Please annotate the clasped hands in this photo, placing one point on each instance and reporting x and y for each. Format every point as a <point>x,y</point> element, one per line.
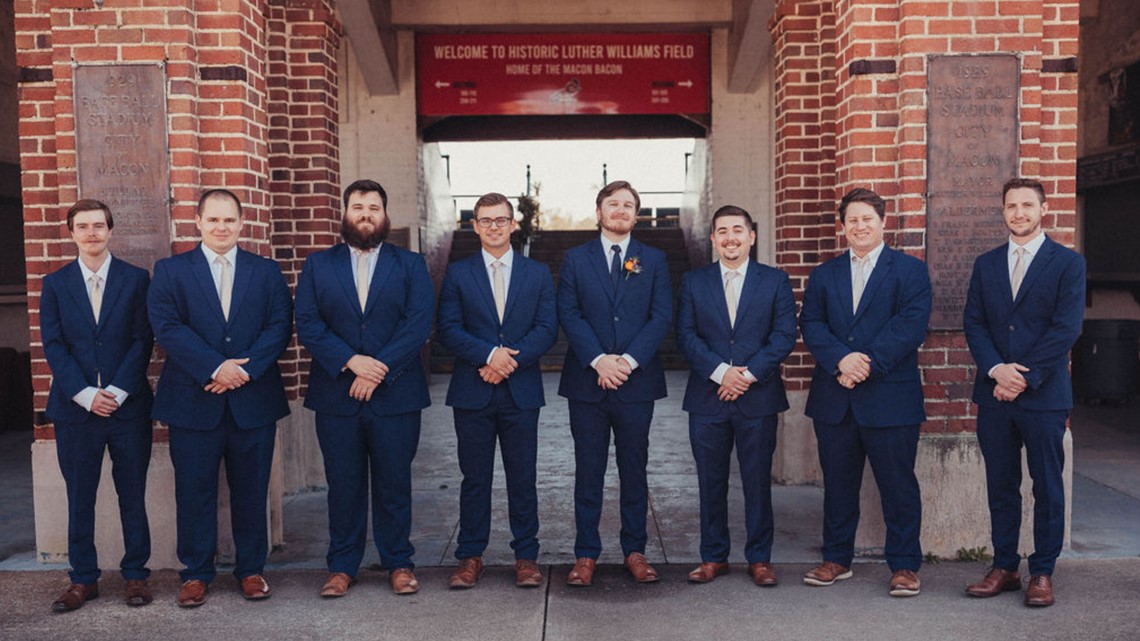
<point>501,365</point>
<point>854,369</point>
<point>229,376</point>
<point>369,374</point>
<point>613,371</point>
<point>104,404</point>
<point>734,384</point>
<point>1010,382</point>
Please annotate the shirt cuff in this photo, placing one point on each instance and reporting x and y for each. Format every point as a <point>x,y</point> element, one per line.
<point>749,377</point>
<point>631,360</point>
<point>86,397</point>
<point>991,372</point>
<point>718,374</point>
<point>215,374</point>
<point>492,354</point>
<point>594,363</point>
<point>120,395</point>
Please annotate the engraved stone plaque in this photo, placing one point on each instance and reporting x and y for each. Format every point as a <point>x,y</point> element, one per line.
<point>972,134</point>
<point>121,145</point>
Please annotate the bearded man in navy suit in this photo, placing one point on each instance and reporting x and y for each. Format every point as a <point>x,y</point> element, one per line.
<point>735,325</point>
<point>1023,314</point>
<point>497,314</point>
<point>863,318</point>
<point>364,311</point>
<point>98,343</point>
<point>224,316</point>
<point>615,304</point>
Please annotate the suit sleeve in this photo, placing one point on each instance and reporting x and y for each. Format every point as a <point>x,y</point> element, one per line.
<point>327,349</point>
<point>131,373</point>
<point>452,331</point>
<point>414,327</point>
<point>278,326</point>
<point>782,337</point>
<point>702,359</point>
<point>982,346</point>
<point>906,330</point>
<point>826,348</point>
<point>645,345</point>
<point>1068,313</point>
<point>581,336</point>
<point>65,370</point>
<point>182,344</point>
<point>544,330</point>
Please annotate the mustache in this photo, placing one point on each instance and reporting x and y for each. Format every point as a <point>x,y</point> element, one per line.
<point>359,239</point>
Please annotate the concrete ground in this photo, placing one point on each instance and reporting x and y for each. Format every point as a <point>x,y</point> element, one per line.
<point>1098,586</point>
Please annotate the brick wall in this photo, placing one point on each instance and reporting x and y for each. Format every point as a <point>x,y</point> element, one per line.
<point>231,65</point>
<point>879,138</point>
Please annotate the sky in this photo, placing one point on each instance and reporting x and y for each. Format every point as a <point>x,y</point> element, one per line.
<point>569,172</point>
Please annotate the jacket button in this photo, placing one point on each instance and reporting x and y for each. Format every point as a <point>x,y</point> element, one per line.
<point>229,340</point>
<point>1011,328</point>
<point>850,338</point>
<point>616,319</point>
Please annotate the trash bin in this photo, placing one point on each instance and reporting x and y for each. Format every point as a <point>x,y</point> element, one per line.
<point>1106,360</point>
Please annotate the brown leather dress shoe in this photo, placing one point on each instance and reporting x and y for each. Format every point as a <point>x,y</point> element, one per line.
<point>404,581</point>
<point>706,572</point>
<point>75,596</point>
<point>762,574</point>
<point>527,574</point>
<point>639,567</point>
<point>467,574</point>
<point>1039,593</point>
<point>192,594</point>
<point>826,574</point>
<point>138,593</point>
<point>905,583</point>
<point>583,573</point>
<point>994,583</point>
<point>337,585</point>
<point>255,588</point>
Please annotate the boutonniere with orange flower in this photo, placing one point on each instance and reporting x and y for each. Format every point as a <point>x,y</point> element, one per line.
<point>632,266</point>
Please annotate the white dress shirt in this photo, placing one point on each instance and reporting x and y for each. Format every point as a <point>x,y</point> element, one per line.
<point>371,256</point>
<point>507,261</point>
<point>216,273</point>
<point>86,396</point>
<point>738,286</point>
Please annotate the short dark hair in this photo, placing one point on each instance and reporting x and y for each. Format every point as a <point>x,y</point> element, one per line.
<point>1018,183</point>
<point>89,204</point>
<point>615,186</point>
<point>731,210</point>
<point>219,194</point>
<point>861,195</point>
<point>491,200</point>
<point>364,187</point>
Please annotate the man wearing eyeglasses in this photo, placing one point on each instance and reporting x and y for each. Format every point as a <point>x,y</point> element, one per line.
<point>497,314</point>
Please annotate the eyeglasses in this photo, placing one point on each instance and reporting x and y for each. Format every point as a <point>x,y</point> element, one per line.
<point>497,222</point>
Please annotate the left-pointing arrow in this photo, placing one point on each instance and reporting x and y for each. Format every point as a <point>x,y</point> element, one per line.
<point>439,84</point>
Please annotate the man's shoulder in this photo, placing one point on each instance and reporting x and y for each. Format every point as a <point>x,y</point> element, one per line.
<point>646,252</point>
<point>904,260</point>
<point>1062,250</point>
<point>62,272</point>
<point>257,259</point>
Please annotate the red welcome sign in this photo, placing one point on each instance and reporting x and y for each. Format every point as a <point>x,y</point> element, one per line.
<point>561,73</point>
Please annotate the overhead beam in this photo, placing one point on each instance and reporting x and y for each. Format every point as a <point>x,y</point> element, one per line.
<point>749,44</point>
<point>368,24</point>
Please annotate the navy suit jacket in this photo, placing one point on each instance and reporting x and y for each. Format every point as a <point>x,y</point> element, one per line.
<point>393,327</point>
<point>763,336</point>
<point>889,327</point>
<point>468,325</point>
<point>81,353</point>
<point>633,321</point>
<point>1037,329</point>
<point>187,318</point>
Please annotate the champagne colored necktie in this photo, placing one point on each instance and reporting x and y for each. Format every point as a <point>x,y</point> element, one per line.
<point>225,286</point>
<point>730,295</point>
<point>362,279</point>
<point>96,295</point>
<point>1018,270</point>
<point>500,288</point>
<point>859,265</point>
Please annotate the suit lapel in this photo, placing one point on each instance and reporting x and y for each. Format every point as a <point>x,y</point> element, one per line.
<point>633,251</point>
<point>714,285</point>
<point>243,276</point>
<point>342,272</point>
<point>750,291</point>
<point>477,269</point>
<point>111,290</point>
<point>843,287</point>
<point>1040,262</point>
<point>514,290</point>
<point>77,288</point>
<point>882,271</point>
<point>384,263</point>
<point>601,266</point>
<point>201,270</point>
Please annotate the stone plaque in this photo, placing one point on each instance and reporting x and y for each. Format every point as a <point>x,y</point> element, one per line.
<point>972,149</point>
<point>121,144</point>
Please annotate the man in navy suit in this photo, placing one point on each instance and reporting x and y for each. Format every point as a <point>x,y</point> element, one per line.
<point>364,311</point>
<point>497,314</point>
<point>735,325</point>
<point>224,317</point>
<point>863,318</point>
<point>1023,313</point>
<point>615,304</point>
<point>98,343</point>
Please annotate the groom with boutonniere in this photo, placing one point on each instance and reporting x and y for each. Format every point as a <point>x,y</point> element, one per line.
<point>615,304</point>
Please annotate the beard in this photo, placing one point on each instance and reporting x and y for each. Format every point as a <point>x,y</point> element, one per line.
<point>362,240</point>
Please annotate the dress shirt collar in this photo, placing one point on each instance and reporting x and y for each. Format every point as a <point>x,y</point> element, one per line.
<point>742,270</point>
<point>608,244</point>
<point>872,257</point>
<point>212,255</point>
<point>508,258</point>
<point>102,272</point>
<point>1032,246</point>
